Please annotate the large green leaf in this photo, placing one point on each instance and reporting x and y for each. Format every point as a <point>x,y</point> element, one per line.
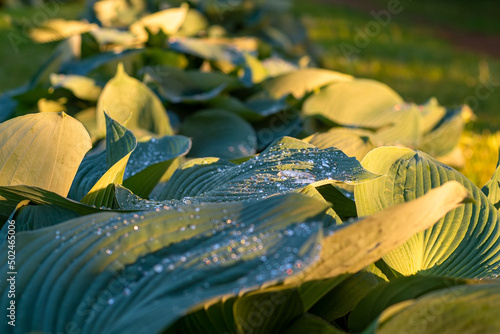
<point>153,265</point>
<point>32,217</point>
<point>150,160</point>
<point>45,208</point>
<point>210,49</point>
<point>302,81</point>
<point>389,293</point>
<point>268,311</point>
<point>213,317</point>
<point>459,309</point>
<point>444,136</point>
<point>219,133</point>
<point>11,195</point>
<point>177,85</point>
<point>168,21</point>
<point>353,142</point>
<point>348,249</point>
<point>360,102</point>
<point>82,87</point>
<point>94,182</point>
<point>309,323</point>
<point>288,165</point>
<point>354,246</point>
<point>342,299</point>
<point>42,150</point>
<point>132,104</point>
<point>465,243</point>
<point>256,108</point>
<point>492,187</point>
<point>284,123</point>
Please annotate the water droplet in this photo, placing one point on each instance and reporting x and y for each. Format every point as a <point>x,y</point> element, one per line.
<point>158,268</point>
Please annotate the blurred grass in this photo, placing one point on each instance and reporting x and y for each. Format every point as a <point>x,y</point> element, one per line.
<point>19,56</point>
<point>406,56</point>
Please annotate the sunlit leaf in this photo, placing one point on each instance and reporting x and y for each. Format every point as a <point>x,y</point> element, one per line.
<point>465,243</point>
<point>132,104</point>
<point>42,150</point>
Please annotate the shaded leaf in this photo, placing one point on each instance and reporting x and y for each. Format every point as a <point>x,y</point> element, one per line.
<point>97,174</point>
<point>461,309</point>
<point>150,160</point>
<point>219,133</point>
<point>389,293</point>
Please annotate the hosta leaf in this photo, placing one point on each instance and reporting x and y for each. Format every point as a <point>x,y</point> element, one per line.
<point>492,187</point>
<point>253,72</point>
<point>177,85</point>
<point>212,317</point>
<point>284,123</point>
<point>312,191</point>
<point>353,142</point>
<point>258,311</point>
<point>168,21</point>
<point>32,217</point>
<point>210,49</point>
<point>98,173</point>
<point>118,13</point>
<point>102,61</point>
<point>359,102</point>
<point>132,104</point>
<point>219,133</point>
<point>460,309</point>
<point>389,293</point>
<point>343,205</point>
<point>432,114</point>
<point>268,311</point>
<point>288,165</point>
<point>308,323</point>
<point>354,246</point>
<point>444,137</point>
<point>42,150</point>
<point>348,249</point>
<point>342,299</point>
<point>265,105</point>
<point>11,195</point>
<point>465,243</point>
<point>302,81</point>
<point>58,29</point>
<point>236,106</point>
<point>155,265</point>
<point>194,22</point>
<point>82,87</point>
<point>150,160</point>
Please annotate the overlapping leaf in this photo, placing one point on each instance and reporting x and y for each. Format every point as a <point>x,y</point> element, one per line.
<point>465,243</point>
<point>187,250</point>
<point>289,164</point>
<point>42,150</point>
<point>132,104</point>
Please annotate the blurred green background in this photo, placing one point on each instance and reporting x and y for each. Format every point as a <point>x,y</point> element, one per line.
<point>447,49</point>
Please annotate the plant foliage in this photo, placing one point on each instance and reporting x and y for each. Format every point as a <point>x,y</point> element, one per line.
<point>189,168</point>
